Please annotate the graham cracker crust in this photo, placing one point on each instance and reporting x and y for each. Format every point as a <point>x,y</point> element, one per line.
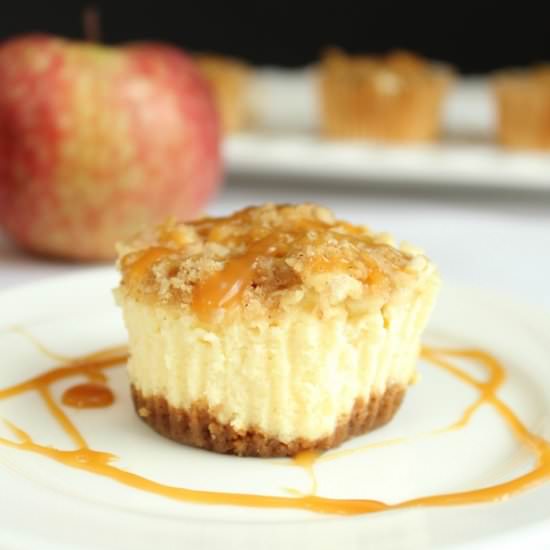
<point>198,428</point>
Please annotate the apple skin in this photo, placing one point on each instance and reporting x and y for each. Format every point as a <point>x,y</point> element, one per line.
<point>96,142</point>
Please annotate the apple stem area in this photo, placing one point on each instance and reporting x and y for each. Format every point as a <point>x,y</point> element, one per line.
<point>91,23</point>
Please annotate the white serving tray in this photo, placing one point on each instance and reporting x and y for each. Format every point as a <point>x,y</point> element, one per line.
<point>286,142</point>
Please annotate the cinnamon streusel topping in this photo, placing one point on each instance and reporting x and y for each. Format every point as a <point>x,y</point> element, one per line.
<point>259,257</point>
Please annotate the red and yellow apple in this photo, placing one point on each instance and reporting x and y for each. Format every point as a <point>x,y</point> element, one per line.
<point>96,142</point>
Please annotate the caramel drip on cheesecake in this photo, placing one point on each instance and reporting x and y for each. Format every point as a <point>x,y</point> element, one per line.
<point>140,267</point>
<point>213,262</point>
<point>97,462</point>
<point>224,289</point>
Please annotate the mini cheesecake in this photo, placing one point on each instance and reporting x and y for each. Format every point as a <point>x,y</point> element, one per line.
<point>397,97</point>
<point>275,330</point>
<point>230,81</point>
<point>522,99</point>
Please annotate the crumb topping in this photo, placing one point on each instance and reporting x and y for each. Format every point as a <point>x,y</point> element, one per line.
<point>262,256</point>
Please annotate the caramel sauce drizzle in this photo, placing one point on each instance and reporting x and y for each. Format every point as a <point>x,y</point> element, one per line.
<point>143,264</point>
<point>224,289</point>
<point>84,458</point>
<point>496,377</point>
<point>88,396</point>
<point>307,461</point>
<point>22,331</point>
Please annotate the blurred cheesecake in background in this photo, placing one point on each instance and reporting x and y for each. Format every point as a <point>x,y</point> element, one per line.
<point>523,107</point>
<point>230,80</point>
<point>396,97</point>
<point>272,331</point>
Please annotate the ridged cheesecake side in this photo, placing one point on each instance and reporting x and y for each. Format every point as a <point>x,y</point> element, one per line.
<point>325,361</point>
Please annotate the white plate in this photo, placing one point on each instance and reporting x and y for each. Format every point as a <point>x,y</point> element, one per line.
<point>286,142</point>
<point>45,505</point>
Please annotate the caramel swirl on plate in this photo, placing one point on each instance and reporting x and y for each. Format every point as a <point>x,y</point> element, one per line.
<point>101,463</point>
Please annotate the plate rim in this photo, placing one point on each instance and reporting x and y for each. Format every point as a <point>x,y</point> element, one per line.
<point>506,540</point>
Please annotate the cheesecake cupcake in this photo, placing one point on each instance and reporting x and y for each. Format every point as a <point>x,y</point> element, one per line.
<point>396,97</point>
<point>230,80</point>
<point>523,108</point>
<point>275,330</point>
